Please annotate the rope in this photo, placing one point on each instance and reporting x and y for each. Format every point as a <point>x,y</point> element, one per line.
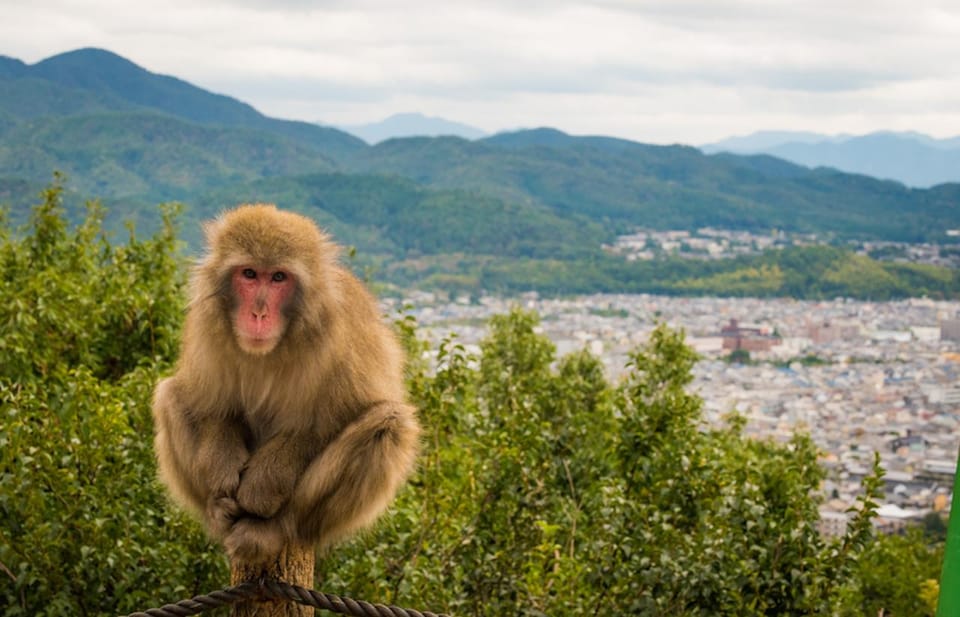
<point>278,590</point>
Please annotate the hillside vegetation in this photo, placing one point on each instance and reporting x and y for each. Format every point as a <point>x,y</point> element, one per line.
<point>542,487</point>
<point>516,211</point>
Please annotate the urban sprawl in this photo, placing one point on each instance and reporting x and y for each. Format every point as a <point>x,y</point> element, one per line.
<point>860,377</point>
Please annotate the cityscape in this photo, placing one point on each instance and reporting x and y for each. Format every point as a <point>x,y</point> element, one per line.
<point>859,377</point>
<point>708,243</point>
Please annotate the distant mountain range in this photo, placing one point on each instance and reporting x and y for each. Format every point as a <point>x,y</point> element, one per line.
<point>412,125</point>
<point>528,208</point>
<point>912,158</point>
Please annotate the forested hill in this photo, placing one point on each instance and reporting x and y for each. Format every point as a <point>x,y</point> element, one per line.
<point>95,80</point>
<point>134,138</point>
<point>622,184</point>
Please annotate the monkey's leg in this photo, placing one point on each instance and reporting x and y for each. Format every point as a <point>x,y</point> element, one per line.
<point>356,476</point>
<point>266,485</point>
<point>272,472</point>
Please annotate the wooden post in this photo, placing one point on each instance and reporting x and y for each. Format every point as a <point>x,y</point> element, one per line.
<point>295,565</point>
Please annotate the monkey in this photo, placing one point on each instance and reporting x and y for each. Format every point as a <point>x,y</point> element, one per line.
<point>285,421</point>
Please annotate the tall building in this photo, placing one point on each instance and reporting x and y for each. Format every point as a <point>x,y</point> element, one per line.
<point>737,337</point>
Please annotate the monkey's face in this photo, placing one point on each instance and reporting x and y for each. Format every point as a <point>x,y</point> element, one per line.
<point>261,307</point>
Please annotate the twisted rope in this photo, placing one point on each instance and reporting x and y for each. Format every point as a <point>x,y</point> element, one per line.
<point>278,590</point>
<point>194,606</point>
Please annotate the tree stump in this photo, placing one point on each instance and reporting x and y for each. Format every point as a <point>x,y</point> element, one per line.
<point>295,565</point>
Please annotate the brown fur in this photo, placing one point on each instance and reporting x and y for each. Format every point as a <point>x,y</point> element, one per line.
<point>302,445</point>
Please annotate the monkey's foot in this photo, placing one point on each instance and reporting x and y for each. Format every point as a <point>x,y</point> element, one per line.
<point>254,541</point>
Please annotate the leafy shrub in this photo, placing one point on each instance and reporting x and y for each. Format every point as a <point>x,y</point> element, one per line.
<point>545,490</point>
<point>85,529</point>
<point>72,299</point>
<point>542,489</point>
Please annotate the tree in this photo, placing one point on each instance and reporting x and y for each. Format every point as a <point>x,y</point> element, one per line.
<point>702,520</point>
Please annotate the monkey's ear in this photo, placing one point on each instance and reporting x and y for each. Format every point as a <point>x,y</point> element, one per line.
<point>211,229</point>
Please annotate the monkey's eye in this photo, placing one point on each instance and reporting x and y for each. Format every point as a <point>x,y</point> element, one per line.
<point>279,276</point>
<point>249,273</point>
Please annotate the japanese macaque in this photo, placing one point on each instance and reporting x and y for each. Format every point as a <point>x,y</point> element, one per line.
<point>285,423</point>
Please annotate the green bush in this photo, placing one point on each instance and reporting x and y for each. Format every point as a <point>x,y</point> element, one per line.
<point>899,574</point>
<point>542,488</point>
<point>545,490</point>
<point>85,529</point>
<point>72,299</point>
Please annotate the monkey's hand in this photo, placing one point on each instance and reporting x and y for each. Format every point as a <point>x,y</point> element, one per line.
<point>271,475</point>
<point>222,509</point>
<point>221,513</point>
<point>221,466</point>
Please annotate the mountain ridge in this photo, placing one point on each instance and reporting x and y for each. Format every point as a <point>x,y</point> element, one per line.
<point>912,158</point>
<point>411,124</point>
<point>123,85</point>
<point>528,207</point>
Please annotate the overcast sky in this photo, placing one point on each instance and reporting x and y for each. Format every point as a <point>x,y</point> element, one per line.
<point>658,71</point>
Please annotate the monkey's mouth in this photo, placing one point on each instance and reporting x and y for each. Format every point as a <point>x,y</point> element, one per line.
<point>257,345</point>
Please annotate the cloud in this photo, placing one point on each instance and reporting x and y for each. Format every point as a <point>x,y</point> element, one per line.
<point>678,70</point>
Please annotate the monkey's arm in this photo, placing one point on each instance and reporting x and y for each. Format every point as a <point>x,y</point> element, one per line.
<point>200,457</point>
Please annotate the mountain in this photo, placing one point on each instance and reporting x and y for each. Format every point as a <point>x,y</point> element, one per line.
<point>626,184</point>
<point>549,137</point>
<point>148,157</point>
<point>762,141</point>
<point>912,158</point>
<point>124,133</point>
<point>523,209</point>
<point>411,125</point>
<point>11,67</point>
<point>388,214</point>
<point>87,80</point>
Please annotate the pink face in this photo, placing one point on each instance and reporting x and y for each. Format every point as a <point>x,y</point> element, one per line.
<point>262,297</point>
